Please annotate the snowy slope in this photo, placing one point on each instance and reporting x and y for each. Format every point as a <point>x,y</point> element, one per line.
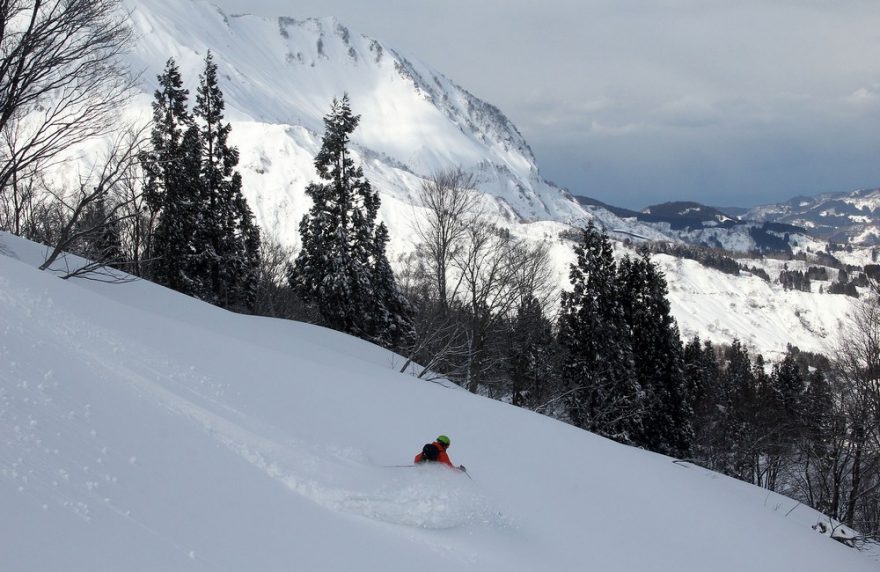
<point>279,75</point>
<point>143,430</point>
<point>842,217</point>
<point>719,307</point>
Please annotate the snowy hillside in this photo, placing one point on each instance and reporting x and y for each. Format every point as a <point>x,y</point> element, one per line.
<point>841,217</point>
<point>279,76</point>
<point>719,307</point>
<point>143,430</point>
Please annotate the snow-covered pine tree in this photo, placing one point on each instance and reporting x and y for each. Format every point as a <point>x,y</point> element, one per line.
<point>391,321</point>
<point>228,259</point>
<point>704,394</point>
<point>172,188</point>
<point>657,356</point>
<point>247,267</point>
<point>341,267</point>
<point>603,393</point>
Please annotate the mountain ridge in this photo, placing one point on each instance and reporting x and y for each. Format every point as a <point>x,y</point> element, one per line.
<point>848,218</point>
<point>279,75</point>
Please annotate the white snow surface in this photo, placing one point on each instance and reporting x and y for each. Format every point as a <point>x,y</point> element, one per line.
<point>143,430</point>
<point>279,75</point>
<point>765,317</point>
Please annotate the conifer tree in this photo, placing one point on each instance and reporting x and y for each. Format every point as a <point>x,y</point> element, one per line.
<point>391,320</point>
<point>227,262</point>
<point>172,186</point>
<point>657,355</point>
<point>206,243</point>
<point>532,355</point>
<point>604,395</point>
<point>818,407</point>
<point>247,267</point>
<point>342,267</point>
<point>788,385</point>
<point>737,429</point>
<point>707,398</point>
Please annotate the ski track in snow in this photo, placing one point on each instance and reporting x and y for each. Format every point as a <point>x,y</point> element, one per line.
<point>422,497</point>
<point>131,438</point>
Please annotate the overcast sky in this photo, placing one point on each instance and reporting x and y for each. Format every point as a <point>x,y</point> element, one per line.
<point>726,102</point>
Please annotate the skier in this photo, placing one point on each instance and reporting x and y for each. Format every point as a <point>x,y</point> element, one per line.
<point>436,453</point>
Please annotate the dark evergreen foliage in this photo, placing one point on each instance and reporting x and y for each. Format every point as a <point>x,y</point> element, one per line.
<point>391,318</point>
<point>794,280</point>
<point>845,288</point>
<point>172,186</point>
<point>708,400</point>
<point>767,237</point>
<point>342,267</point>
<point>817,273</point>
<point>737,429</point>
<point>206,243</point>
<point>759,272</point>
<point>788,386</point>
<point>598,371</point>
<point>532,364</point>
<point>708,257</point>
<point>657,358</point>
<point>860,280</point>
<point>229,249</point>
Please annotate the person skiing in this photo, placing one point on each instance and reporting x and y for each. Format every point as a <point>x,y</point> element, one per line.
<point>436,453</point>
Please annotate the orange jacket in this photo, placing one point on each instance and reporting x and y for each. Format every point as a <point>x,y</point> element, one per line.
<point>442,458</point>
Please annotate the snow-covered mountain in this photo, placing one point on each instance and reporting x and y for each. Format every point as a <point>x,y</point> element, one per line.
<point>144,430</point>
<point>279,75</point>
<point>844,218</point>
<point>698,224</point>
<point>688,210</point>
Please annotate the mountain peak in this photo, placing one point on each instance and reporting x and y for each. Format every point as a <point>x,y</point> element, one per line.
<point>284,71</point>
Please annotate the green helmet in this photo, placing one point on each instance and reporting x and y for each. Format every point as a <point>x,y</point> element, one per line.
<point>443,439</point>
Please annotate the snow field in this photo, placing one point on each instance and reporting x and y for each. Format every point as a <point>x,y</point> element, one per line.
<point>143,430</point>
<point>278,77</point>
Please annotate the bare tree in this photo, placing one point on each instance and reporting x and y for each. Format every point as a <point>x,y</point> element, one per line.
<point>141,219</point>
<point>467,281</point>
<point>450,205</point>
<point>273,295</point>
<point>437,343</point>
<point>858,377</point>
<point>62,81</point>
<point>101,193</point>
<point>497,273</point>
<point>20,204</point>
